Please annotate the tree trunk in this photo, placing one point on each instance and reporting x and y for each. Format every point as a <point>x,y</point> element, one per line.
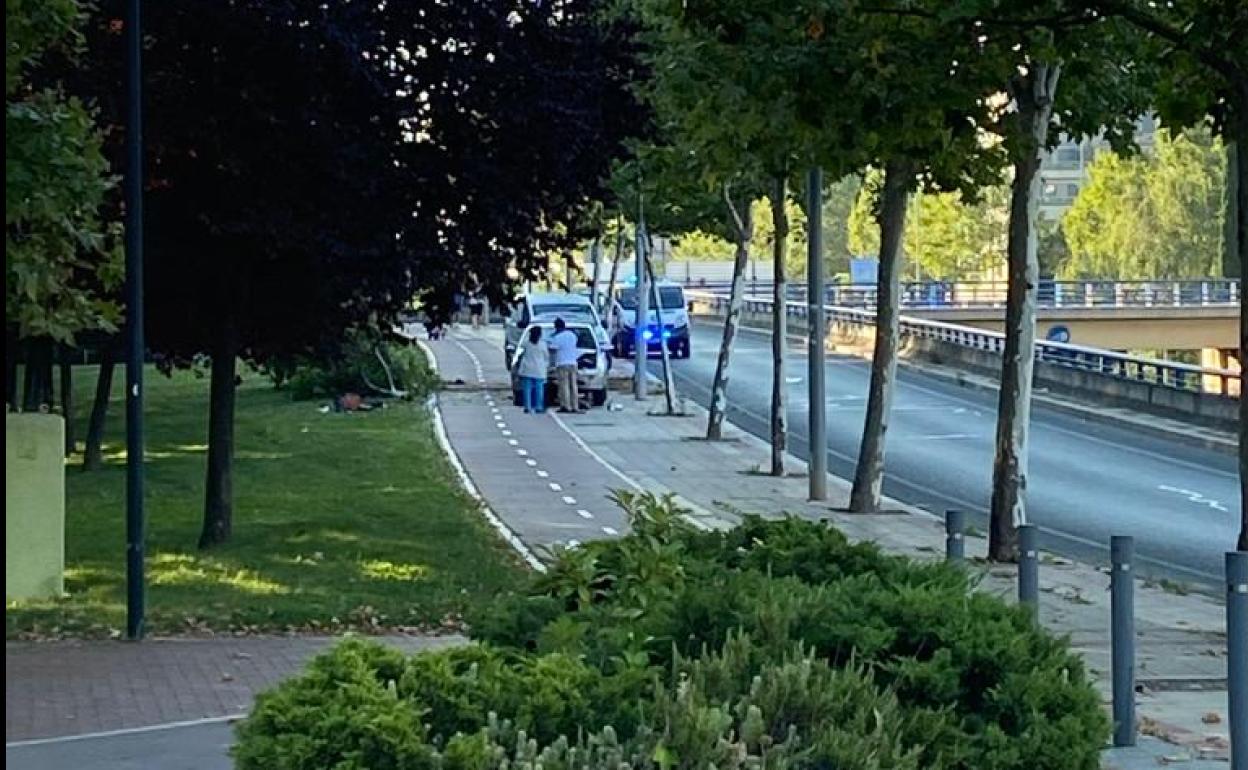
<point>37,388</point>
<point>1240,139</point>
<point>1231,267</point>
<point>780,329</point>
<point>67,400</point>
<point>1033,95</point>
<point>615,263</point>
<point>219,486</point>
<point>92,455</point>
<point>869,473</point>
<point>743,227</point>
<point>669,382</point>
<point>11,347</point>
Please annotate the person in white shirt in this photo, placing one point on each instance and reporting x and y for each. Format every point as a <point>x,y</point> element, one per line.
<point>566,350</point>
<point>532,365</point>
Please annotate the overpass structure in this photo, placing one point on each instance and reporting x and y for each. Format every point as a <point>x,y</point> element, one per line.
<point>1196,315</point>
<point>1206,393</point>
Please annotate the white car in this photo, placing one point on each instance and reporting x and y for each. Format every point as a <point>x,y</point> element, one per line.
<point>592,365</point>
<point>545,308</point>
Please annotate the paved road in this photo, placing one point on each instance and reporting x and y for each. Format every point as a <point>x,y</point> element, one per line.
<point>191,747</point>
<point>1088,480</point>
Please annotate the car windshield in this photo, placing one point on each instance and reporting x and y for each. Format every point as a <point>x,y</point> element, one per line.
<point>672,297</point>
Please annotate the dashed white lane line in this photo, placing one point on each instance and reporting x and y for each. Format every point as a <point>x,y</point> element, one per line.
<point>610,531</point>
<point>506,433</point>
<point>555,487</point>
<point>522,452</point>
<point>541,474</point>
<point>532,464</point>
<point>574,543</point>
<point>569,500</point>
<point>584,514</point>
<point>513,442</point>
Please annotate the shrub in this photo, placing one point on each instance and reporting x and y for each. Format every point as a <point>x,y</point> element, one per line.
<point>778,643</point>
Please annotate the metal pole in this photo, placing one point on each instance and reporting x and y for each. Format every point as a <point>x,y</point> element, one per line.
<point>642,322</point>
<point>816,323</point>
<point>1237,655</point>
<point>1122,637</point>
<point>134,320</point>
<point>1028,569</point>
<point>955,542</point>
<point>669,382</point>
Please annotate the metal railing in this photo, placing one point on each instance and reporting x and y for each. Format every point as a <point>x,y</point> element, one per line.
<point>1108,363</point>
<point>940,295</point>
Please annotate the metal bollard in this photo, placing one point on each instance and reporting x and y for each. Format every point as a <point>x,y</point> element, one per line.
<point>1122,637</point>
<point>955,543</point>
<point>1029,569</point>
<point>1237,655</point>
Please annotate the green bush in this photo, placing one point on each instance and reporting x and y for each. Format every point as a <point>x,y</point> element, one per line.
<point>1018,698</point>
<point>776,644</point>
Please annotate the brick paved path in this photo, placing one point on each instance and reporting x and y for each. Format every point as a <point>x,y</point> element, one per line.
<point>57,689</point>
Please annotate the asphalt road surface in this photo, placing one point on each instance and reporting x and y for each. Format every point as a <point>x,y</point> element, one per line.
<point>1088,480</point>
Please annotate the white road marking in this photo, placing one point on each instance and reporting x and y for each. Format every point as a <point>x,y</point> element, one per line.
<point>126,731</point>
<point>513,442</point>
<point>531,463</point>
<point>1194,497</point>
<point>610,531</point>
<point>506,433</point>
<point>569,500</point>
<point>541,474</point>
<point>584,514</point>
<point>522,452</point>
<point>555,487</point>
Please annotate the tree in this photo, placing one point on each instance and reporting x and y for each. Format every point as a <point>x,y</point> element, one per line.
<point>1150,216</point>
<point>947,236</point>
<point>61,264</point>
<point>312,167</point>
<point>1204,76</point>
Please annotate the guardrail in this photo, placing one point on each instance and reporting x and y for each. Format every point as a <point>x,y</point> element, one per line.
<point>1108,363</point>
<point>938,295</point>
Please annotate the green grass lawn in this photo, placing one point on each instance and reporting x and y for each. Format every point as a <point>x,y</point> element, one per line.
<point>340,520</point>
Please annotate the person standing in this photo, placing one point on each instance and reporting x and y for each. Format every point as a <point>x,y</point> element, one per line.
<point>566,350</point>
<point>532,365</point>
<point>476,308</point>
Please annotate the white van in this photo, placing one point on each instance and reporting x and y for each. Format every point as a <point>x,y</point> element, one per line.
<point>669,324</point>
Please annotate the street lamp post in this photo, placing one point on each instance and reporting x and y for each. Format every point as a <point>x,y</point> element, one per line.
<point>134,320</point>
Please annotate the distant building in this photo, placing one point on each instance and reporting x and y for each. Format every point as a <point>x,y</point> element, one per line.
<point>1064,170</point>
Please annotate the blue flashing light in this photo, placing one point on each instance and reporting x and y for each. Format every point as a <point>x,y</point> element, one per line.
<point>666,334</point>
<point>647,335</point>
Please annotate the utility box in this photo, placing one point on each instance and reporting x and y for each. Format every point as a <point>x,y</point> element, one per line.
<point>34,506</point>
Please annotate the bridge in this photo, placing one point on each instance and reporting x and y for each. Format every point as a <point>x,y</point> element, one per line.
<point>1191,315</point>
<point>1206,394</point>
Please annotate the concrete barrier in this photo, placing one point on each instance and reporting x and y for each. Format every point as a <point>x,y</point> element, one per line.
<point>34,506</point>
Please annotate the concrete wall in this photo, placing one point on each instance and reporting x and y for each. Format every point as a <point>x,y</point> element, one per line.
<point>34,506</point>
<point>1089,386</point>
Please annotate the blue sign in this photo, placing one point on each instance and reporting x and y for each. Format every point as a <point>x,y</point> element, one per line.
<point>1058,334</point>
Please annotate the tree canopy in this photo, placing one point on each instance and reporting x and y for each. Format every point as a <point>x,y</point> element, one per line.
<point>61,261</point>
<point>1150,216</point>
